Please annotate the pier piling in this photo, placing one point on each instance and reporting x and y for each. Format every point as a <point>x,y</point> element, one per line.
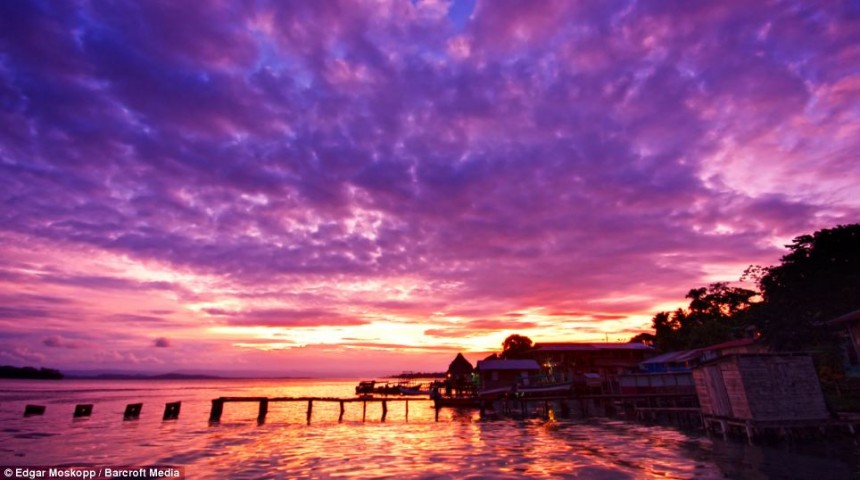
<point>310,410</point>
<point>30,410</point>
<point>340,418</point>
<point>171,411</point>
<point>83,410</point>
<point>363,411</point>
<point>132,411</point>
<point>384,410</point>
<point>217,410</point>
<point>264,409</point>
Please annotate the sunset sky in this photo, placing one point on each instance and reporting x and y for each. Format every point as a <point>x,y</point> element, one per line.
<point>366,187</point>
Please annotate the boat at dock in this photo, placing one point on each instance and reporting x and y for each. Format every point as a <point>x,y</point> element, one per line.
<point>406,388</point>
<point>559,388</point>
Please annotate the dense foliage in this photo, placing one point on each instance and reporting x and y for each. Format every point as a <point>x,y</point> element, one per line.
<point>515,345</point>
<point>716,313</point>
<point>817,281</point>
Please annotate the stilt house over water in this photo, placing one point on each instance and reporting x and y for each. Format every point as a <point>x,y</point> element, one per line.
<point>760,390</point>
<point>498,373</point>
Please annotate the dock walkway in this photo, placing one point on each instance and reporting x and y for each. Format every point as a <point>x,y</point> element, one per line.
<point>218,405</point>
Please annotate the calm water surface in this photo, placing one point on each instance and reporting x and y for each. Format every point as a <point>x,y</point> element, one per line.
<point>458,446</point>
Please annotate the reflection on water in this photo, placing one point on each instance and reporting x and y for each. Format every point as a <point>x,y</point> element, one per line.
<point>459,446</point>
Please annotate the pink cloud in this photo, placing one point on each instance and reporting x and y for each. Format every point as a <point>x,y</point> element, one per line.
<point>291,318</point>
<point>334,164</point>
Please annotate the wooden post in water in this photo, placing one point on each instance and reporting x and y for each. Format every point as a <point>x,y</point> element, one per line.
<point>436,404</point>
<point>132,411</point>
<point>217,410</point>
<point>340,418</point>
<point>310,410</point>
<point>264,409</point>
<point>171,411</point>
<point>363,411</point>
<point>407,410</point>
<point>83,410</point>
<point>384,410</point>
<point>30,410</point>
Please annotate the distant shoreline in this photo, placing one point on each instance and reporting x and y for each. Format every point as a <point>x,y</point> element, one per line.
<point>29,373</point>
<point>33,373</point>
<point>173,376</point>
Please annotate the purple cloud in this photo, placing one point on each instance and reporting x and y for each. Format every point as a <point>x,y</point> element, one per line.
<point>341,163</point>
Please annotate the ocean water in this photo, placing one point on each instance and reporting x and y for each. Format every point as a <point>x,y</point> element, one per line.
<point>460,445</point>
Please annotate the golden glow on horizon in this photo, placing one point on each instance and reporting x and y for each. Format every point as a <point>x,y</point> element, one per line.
<point>173,304</point>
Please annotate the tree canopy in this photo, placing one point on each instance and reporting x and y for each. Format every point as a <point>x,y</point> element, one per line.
<point>515,345</point>
<point>817,281</point>
<point>716,313</point>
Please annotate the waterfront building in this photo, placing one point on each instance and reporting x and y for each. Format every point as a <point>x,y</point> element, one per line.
<point>672,372</point>
<point>498,373</point>
<point>459,370</point>
<point>760,390</point>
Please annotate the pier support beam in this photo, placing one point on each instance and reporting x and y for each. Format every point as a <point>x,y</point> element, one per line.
<point>363,411</point>
<point>310,410</point>
<point>340,418</point>
<point>407,410</point>
<point>264,409</point>
<point>384,410</point>
<point>217,410</point>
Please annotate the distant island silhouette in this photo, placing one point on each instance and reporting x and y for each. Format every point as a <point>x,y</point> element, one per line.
<point>140,376</point>
<point>419,375</point>
<point>32,373</point>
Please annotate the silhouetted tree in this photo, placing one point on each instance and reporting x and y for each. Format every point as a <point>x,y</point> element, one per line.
<point>644,338</point>
<point>716,313</point>
<point>818,280</point>
<point>515,345</point>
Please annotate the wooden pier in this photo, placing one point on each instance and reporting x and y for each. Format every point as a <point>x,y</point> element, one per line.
<point>263,402</point>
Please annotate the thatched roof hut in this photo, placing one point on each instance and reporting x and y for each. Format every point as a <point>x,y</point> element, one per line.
<point>460,368</point>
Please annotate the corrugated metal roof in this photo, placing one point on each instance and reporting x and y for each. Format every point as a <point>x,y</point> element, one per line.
<point>507,365</point>
<point>731,343</point>
<point>576,346</point>
<point>848,317</point>
<point>687,355</point>
<point>674,357</point>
